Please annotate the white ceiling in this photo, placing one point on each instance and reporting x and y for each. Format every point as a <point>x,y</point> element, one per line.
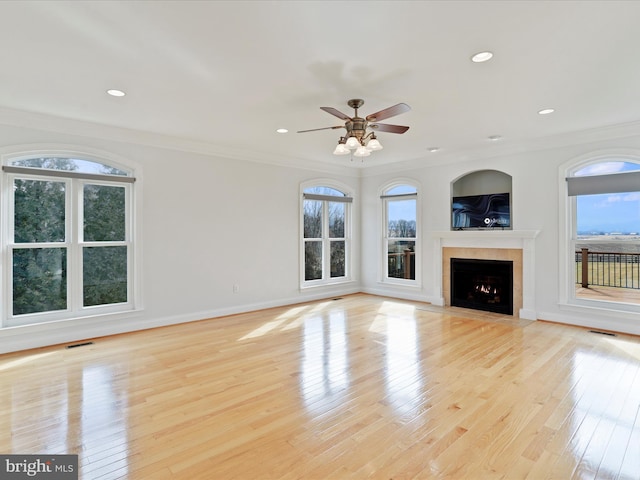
<point>229,73</point>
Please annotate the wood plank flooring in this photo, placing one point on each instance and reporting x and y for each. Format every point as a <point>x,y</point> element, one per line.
<point>358,387</point>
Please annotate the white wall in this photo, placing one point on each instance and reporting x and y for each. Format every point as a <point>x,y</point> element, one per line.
<point>207,223</point>
<point>210,222</point>
<point>536,204</point>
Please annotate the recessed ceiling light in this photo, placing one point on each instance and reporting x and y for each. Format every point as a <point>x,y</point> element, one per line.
<point>495,138</point>
<point>116,93</point>
<point>282,130</point>
<point>546,111</point>
<point>433,149</point>
<point>481,57</point>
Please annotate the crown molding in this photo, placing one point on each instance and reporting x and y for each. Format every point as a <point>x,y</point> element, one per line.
<point>67,126</point>
<point>550,142</point>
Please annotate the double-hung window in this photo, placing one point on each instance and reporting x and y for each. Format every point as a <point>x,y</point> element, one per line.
<point>400,204</point>
<point>604,248</point>
<point>68,239</point>
<point>326,235</point>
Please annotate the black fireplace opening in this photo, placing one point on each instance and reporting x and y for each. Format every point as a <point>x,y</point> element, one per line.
<point>482,284</point>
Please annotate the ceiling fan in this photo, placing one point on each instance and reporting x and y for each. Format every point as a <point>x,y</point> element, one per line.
<point>357,136</point>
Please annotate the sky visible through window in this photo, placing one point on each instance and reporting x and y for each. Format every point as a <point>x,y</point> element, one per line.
<point>608,213</point>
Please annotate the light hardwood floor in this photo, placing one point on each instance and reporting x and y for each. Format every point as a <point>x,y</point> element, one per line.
<point>358,387</point>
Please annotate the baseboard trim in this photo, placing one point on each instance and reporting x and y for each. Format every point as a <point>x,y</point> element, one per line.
<point>13,339</point>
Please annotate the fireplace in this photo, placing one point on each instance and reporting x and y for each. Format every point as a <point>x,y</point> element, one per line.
<point>482,284</point>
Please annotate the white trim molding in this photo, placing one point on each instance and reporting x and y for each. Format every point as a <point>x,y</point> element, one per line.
<point>512,239</point>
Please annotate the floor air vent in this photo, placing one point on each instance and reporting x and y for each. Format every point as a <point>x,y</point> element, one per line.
<point>603,333</point>
<point>79,345</point>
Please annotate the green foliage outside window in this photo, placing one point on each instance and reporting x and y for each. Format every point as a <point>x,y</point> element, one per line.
<point>105,275</point>
<point>41,256</point>
<point>39,280</point>
<point>104,213</point>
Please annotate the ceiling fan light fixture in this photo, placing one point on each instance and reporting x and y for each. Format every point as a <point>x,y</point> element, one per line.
<point>341,148</point>
<point>361,151</point>
<point>353,142</point>
<point>373,144</point>
<point>357,141</point>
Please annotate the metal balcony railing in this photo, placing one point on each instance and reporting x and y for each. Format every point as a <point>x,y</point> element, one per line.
<point>402,264</point>
<point>607,269</point>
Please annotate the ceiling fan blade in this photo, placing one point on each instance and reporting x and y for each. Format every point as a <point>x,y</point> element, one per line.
<point>324,128</point>
<point>383,127</point>
<point>335,112</point>
<point>388,112</point>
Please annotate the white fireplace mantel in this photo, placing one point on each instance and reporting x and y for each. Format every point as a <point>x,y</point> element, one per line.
<point>511,239</point>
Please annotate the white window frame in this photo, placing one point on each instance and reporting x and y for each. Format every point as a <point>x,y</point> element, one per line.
<point>347,199</point>
<point>568,231</point>
<point>385,198</point>
<point>74,243</point>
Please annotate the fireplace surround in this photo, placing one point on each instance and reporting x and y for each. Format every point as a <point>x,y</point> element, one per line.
<point>515,245</point>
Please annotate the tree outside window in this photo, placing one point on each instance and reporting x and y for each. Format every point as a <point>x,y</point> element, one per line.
<point>325,213</point>
<point>69,243</point>
<point>400,213</point>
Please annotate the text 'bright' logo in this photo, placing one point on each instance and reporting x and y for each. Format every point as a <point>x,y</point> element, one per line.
<point>50,467</point>
<point>30,468</point>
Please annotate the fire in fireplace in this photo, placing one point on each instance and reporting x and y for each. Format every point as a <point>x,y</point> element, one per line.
<point>482,284</point>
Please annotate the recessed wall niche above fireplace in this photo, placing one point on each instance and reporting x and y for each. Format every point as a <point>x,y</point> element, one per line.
<point>481,200</point>
<point>482,284</point>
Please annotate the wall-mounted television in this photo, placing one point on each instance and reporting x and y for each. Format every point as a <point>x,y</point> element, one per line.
<point>481,211</point>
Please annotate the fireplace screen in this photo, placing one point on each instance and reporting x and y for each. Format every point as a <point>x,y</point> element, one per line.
<point>482,284</point>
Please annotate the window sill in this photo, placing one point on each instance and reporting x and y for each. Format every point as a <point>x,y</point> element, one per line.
<point>408,284</point>
<point>326,284</point>
<point>610,309</point>
<point>55,323</point>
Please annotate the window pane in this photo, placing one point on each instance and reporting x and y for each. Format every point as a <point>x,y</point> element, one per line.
<point>104,275</point>
<point>69,165</point>
<point>401,259</point>
<point>312,260</point>
<point>603,168</point>
<point>401,216</point>
<point>312,219</point>
<point>39,211</point>
<point>324,191</point>
<point>607,250</point>
<point>39,280</point>
<point>336,220</point>
<point>337,259</point>
<point>608,214</point>
<point>400,190</point>
<point>104,213</point>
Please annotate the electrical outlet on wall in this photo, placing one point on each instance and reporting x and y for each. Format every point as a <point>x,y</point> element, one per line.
<point>236,288</point>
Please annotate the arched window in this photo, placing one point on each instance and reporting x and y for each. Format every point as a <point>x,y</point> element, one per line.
<point>400,232</point>
<point>326,227</point>
<point>604,252</point>
<point>68,238</point>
